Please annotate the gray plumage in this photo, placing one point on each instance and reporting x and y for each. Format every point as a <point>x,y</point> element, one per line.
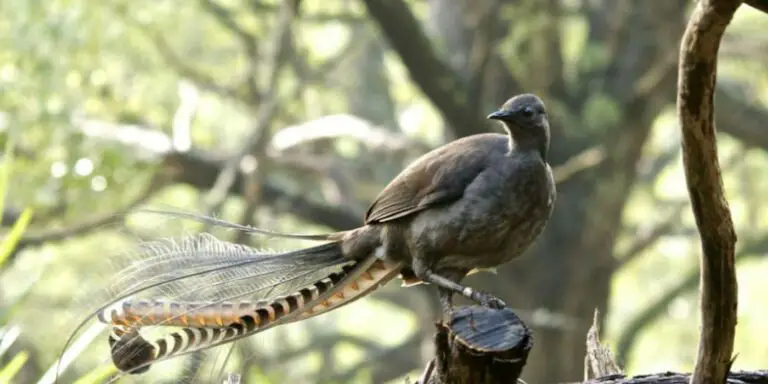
<point>477,202</point>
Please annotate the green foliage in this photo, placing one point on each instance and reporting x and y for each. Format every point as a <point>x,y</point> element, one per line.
<point>600,114</point>
<point>9,243</point>
<point>136,63</point>
<point>7,246</point>
<point>97,375</point>
<point>13,367</point>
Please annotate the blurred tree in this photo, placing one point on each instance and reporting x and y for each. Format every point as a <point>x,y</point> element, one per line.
<point>606,94</point>
<point>119,103</point>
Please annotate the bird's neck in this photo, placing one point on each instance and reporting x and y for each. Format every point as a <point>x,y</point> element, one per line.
<point>529,141</point>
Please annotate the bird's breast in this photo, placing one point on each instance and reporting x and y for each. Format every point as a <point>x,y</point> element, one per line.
<point>499,215</point>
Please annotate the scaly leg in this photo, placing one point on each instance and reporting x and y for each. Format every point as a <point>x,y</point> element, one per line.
<point>482,298</point>
<point>448,284</point>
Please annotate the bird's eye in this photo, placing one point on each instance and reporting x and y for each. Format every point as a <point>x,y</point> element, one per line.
<point>528,111</point>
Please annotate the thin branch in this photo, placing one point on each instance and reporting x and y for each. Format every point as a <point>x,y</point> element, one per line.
<point>587,159</point>
<point>484,41</point>
<point>651,236</point>
<point>695,105</point>
<point>433,76</point>
<point>226,19</point>
<point>665,227</point>
<point>93,223</point>
<point>318,74</point>
<point>184,69</point>
<point>200,170</point>
<point>255,143</point>
<point>655,76</point>
<point>651,168</point>
<point>256,176</point>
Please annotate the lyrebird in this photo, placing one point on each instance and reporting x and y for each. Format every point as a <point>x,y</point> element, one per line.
<point>474,203</point>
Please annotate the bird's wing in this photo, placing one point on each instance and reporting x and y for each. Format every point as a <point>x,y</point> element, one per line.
<point>438,177</point>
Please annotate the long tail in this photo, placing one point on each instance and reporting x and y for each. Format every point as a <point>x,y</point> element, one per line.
<point>131,353</point>
<point>228,290</point>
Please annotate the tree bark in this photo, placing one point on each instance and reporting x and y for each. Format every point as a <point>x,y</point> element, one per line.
<point>744,377</point>
<point>695,107</point>
<point>479,346</point>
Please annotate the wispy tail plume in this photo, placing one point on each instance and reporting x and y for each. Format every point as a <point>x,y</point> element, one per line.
<point>219,292</point>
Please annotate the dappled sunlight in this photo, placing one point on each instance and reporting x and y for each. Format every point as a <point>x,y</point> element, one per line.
<point>293,116</point>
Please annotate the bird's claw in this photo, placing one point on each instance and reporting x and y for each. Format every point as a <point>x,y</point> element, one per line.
<point>487,300</point>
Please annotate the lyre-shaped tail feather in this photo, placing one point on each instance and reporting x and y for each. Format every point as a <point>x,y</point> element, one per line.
<point>202,268</point>
<point>133,354</point>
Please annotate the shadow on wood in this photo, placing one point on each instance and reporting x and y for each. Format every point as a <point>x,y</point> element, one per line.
<point>480,345</point>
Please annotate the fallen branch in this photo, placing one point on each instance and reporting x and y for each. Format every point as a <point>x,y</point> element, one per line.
<point>695,107</point>
<point>742,377</point>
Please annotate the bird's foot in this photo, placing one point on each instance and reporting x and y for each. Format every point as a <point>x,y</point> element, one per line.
<point>484,298</point>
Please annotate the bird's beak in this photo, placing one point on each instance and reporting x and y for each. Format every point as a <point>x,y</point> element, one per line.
<point>498,115</point>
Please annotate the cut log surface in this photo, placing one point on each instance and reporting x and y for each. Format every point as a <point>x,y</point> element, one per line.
<point>480,346</point>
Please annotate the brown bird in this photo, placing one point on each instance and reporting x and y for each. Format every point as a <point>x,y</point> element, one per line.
<point>474,203</point>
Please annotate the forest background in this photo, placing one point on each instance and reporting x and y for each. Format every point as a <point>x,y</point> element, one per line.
<point>317,105</point>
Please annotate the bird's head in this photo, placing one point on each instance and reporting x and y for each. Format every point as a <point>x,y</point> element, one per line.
<point>525,119</point>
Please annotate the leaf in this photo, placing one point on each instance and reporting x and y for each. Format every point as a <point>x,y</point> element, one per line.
<point>13,367</point>
<point>5,173</point>
<point>9,243</point>
<point>8,336</point>
<point>97,375</point>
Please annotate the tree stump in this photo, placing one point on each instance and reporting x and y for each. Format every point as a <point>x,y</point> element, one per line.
<point>480,346</point>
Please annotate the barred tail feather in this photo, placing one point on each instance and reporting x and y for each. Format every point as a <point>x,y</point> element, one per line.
<point>204,268</point>
<point>135,354</point>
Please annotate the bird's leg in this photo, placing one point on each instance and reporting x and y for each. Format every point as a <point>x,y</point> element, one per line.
<point>446,300</point>
<point>482,298</point>
<point>448,284</point>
